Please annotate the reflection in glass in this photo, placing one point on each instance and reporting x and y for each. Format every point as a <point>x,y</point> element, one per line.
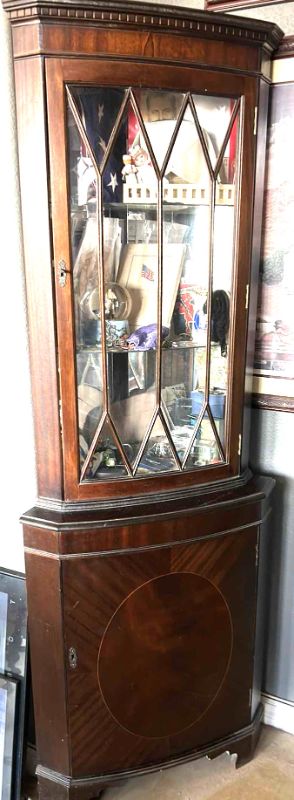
<point>98,109</point>
<point>132,326</point>
<point>222,285</point>
<point>186,253</point>
<point>205,449</point>
<point>160,111</point>
<point>158,455</point>
<point>83,215</point>
<point>214,115</point>
<point>106,461</point>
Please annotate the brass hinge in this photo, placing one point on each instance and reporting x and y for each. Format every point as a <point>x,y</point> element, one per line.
<point>240,444</point>
<point>255,121</point>
<point>247,296</point>
<point>250,697</point>
<point>60,416</point>
<point>256,554</point>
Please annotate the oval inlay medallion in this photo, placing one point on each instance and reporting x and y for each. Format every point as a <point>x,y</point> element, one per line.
<point>164,654</point>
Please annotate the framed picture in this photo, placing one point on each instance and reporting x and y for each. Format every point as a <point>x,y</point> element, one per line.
<point>13,680</point>
<point>235,5</point>
<point>273,382</point>
<point>138,273</point>
<point>8,719</point>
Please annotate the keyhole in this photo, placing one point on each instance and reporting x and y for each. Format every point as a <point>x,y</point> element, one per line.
<point>72,657</point>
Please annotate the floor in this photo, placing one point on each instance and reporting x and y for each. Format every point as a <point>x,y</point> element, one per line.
<point>269,776</point>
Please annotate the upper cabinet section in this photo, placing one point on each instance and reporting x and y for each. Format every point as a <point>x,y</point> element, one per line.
<point>148,30</point>
<point>142,122</point>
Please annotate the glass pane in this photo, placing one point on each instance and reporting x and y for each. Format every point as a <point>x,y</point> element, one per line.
<point>160,110</point>
<point>98,109</point>
<point>106,462</point>
<point>222,285</point>
<point>83,217</point>
<point>214,115</point>
<point>186,254</point>
<point>131,290</point>
<point>196,282</point>
<point>205,449</point>
<point>158,455</point>
<point>90,398</point>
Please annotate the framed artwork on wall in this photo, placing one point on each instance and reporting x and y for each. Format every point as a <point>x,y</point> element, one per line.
<point>235,5</point>
<point>8,720</point>
<point>13,681</point>
<point>274,349</point>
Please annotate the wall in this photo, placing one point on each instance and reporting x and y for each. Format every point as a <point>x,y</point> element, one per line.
<point>280,13</point>
<point>271,454</point>
<point>271,433</point>
<point>17,463</point>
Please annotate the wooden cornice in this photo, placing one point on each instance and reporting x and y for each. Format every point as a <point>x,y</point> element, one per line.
<point>147,16</point>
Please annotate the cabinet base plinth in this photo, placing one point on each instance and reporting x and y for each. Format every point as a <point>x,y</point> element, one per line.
<point>54,786</point>
<point>58,787</point>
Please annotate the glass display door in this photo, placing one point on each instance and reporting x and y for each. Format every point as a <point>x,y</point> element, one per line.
<point>153,179</point>
<point>152,250</point>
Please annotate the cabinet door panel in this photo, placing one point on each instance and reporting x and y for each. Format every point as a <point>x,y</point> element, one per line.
<point>155,238</point>
<point>164,644</point>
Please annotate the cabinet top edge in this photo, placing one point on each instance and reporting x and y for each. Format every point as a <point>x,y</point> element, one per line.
<point>147,16</point>
<point>247,489</point>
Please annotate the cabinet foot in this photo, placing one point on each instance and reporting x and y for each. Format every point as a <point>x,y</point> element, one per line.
<point>242,744</point>
<point>51,789</point>
<point>246,747</point>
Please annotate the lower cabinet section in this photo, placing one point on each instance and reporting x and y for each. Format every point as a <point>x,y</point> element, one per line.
<point>145,636</point>
<point>159,647</point>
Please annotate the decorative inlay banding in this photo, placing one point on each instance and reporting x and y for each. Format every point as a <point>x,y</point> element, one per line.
<point>165,654</point>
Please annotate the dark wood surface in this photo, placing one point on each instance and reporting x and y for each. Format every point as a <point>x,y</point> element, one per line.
<point>59,72</point>
<point>221,506</point>
<point>263,102</point>
<point>134,47</point>
<point>129,14</point>
<point>43,577</point>
<point>129,581</point>
<point>31,128</point>
<point>53,786</point>
<point>150,700</point>
<point>134,604</point>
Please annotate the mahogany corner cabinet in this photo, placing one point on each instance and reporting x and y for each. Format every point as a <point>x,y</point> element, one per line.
<point>142,133</point>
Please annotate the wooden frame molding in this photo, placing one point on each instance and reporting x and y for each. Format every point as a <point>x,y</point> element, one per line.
<point>235,5</point>
<point>271,402</point>
<point>286,49</point>
<point>158,17</point>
